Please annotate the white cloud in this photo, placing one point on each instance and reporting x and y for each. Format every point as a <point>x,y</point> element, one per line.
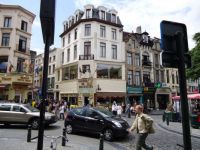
<point>149,14</point>
<point>36,23</point>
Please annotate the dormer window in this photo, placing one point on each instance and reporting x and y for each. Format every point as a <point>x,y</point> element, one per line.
<point>113,18</point>
<point>102,15</point>
<point>77,17</point>
<point>88,13</point>
<point>145,38</point>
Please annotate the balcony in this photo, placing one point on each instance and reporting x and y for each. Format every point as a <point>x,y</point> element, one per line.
<point>86,57</point>
<point>146,63</point>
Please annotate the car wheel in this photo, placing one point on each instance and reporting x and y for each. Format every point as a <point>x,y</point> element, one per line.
<point>108,135</point>
<point>35,123</point>
<point>69,129</point>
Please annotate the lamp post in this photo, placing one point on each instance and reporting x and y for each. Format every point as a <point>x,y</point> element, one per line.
<point>47,17</point>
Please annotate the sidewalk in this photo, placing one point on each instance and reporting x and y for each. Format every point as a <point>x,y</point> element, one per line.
<point>175,127</point>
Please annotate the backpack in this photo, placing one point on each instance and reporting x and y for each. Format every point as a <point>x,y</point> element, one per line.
<point>148,123</point>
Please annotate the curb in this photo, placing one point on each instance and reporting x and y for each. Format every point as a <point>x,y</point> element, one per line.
<point>174,131</point>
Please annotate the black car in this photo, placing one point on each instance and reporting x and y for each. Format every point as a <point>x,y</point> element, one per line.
<point>96,120</point>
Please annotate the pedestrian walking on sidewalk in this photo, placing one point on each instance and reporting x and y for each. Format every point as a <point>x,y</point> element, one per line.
<point>143,125</point>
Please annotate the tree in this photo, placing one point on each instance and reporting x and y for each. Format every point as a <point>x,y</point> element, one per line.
<point>194,71</point>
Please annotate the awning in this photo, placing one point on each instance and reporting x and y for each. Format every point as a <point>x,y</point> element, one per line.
<point>189,96</point>
<point>110,94</point>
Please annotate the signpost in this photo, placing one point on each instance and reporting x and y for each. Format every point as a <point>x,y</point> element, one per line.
<point>47,17</point>
<point>175,54</point>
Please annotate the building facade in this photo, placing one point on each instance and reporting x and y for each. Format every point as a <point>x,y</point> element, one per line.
<point>15,58</point>
<point>91,69</point>
<point>144,73</point>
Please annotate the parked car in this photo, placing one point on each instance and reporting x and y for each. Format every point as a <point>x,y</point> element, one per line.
<point>15,113</point>
<point>96,120</point>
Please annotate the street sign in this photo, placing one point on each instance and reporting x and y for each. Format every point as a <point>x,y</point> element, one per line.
<point>169,44</point>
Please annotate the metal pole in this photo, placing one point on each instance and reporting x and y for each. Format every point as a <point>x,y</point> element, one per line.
<point>183,93</point>
<point>44,94</point>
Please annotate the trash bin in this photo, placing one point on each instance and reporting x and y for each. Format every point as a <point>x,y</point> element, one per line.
<point>194,121</point>
<point>168,115</point>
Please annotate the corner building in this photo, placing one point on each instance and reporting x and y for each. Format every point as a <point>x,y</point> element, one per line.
<point>16,66</point>
<point>91,69</point>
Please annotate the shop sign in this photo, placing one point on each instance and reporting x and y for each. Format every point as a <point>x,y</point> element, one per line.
<point>86,90</point>
<point>24,79</point>
<point>134,90</point>
<point>148,90</point>
<point>6,78</point>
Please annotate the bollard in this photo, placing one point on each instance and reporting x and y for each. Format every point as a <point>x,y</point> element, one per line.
<point>101,141</point>
<point>64,137</point>
<point>167,120</point>
<point>29,133</point>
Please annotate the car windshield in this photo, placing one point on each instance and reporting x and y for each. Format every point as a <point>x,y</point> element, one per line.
<point>32,109</point>
<point>104,112</point>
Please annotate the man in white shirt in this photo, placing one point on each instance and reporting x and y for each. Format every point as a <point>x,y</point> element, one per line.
<point>142,123</point>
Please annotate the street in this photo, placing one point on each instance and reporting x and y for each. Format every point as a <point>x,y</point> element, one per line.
<point>14,138</point>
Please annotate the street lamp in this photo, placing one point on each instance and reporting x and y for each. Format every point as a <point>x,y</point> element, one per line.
<point>47,17</point>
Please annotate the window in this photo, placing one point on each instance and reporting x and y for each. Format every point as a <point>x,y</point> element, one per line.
<point>157,76</point>
<point>87,29</point>
<point>69,38</point>
<point>102,15</point>
<point>162,76</point>
<point>24,25</point>
<point>173,79</point>
<point>167,73</point>
<point>69,73</point>
<point>75,51</point>
<point>68,55</point>
<point>49,69</point>
<point>5,39</point>
<point>85,68</point>
<point>133,43</point>
<point>62,61</point>
<point>102,31</point>
<point>177,79</point>
<point>63,41</point>
<point>7,22</point>
<point>58,75</point>
<point>75,34</point>
<point>130,77</point>
<point>137,78</point>
<point>52,82</point>
<point>3,64</point>
<point>137,60</point>
<point>22,44</point>
<point>102,49</point>
<point>113,18</point>
<point>54,58</point>
<point>20,64</point>
<point>114,34</point>
<point>109,71</point>
<point>88,13</point>
<point>5,107</point>
<point>87,48</point>
<point>129,58</point>
<point>114,51</point>
<point>49,59</point>
<point>156,60</point>
<point>54,68</point>
<point>146,77</point>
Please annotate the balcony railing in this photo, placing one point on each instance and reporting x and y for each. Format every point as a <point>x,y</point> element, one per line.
<point>146,63</point>
<point>86,57</point>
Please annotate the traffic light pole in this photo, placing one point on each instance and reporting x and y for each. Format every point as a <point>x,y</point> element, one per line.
<point>183,93</point>
<point>44,94</point>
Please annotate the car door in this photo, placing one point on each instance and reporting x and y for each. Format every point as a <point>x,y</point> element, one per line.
<point>78,120</point>
<point>5,113</point>
<point>94,121</point>
<point>19,114</point>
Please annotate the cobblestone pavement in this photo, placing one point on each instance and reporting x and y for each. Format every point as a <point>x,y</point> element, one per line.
<point>166,137</point>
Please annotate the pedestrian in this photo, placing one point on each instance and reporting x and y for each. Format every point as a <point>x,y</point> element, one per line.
<point>119,111</point>
<point>144,125</point>
<point>114,108</point>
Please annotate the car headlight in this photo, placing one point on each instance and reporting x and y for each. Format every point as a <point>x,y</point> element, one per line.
<point>47,117</point>
<point>117,124</point>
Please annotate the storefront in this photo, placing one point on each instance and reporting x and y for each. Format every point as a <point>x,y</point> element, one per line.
<point>162,97</point>
<point>149,97</point>
<point>134,94</point>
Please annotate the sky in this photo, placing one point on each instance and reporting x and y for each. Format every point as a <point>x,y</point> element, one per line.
<point>133,13</point>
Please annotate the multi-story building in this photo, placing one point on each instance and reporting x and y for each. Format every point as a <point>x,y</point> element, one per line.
<point>143,70</point>
<point>15,62</point>
<point>38,74</point>
<point>92,60</point>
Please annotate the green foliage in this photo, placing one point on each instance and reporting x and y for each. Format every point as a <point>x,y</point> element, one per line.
<point>194,71</point>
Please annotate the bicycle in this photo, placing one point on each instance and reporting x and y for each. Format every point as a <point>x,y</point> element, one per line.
<point>54,139</point>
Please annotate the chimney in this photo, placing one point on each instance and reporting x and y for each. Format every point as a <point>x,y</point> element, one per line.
<point>139,30</point>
